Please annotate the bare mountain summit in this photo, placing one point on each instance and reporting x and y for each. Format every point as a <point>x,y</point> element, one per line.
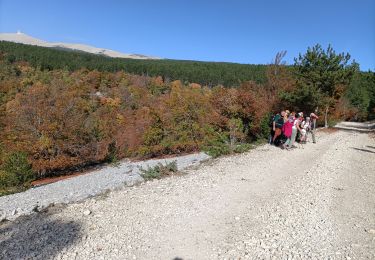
<point>26,39</point>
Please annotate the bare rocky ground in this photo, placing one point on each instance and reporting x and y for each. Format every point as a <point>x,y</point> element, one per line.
<point>312,203</point>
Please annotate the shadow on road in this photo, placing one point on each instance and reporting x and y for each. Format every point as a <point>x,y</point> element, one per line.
<point>371,147</point>
<point>37,236</point>
<point>363,150</point>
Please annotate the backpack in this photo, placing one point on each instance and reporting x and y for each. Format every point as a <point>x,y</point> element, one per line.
<point>306,125</point>
<point>280,122</point>
<point>270,122</point>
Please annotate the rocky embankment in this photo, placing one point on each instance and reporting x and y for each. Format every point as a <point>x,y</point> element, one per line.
<point>84,186</point>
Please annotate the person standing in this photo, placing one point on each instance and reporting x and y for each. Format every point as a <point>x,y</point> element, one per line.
<point>287,130</point>
<point>313,118</point>
<point>272,132</point>
<point>286,116</point>
<point>278,123</point>
<point>295,129</point>
<point>299,126</point>
<point>305,128</point>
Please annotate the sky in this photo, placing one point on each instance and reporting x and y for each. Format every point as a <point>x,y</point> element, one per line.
<point>244,31</point>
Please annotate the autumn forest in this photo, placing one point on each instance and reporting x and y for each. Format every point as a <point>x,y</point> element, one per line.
<point>61,111</point>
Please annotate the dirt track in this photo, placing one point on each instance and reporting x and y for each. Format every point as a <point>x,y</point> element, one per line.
<point>316,202</point>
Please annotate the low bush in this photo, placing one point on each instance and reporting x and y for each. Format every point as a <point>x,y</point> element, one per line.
<point>159,171</point>
<point>16,171</point>
<point>217,145</point>
<point>241,148</point>
<point>7,180</point>
<point>112,154</point>
<point>332,122</point>
<point>218,149</point>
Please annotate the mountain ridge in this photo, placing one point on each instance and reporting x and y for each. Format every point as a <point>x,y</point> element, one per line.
<point>29,40</point>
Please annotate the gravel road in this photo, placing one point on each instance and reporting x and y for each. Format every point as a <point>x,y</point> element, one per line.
<point>316,202</point>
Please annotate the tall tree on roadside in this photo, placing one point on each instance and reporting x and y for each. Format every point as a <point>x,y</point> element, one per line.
<point>323,75</point>
<point>361,95</point>
<point>279,81</point>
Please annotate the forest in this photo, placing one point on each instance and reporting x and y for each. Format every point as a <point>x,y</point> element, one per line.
<point>62,111</point>
<point>204,73</point>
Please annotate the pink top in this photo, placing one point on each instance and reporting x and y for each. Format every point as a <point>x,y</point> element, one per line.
<point>287,128</point>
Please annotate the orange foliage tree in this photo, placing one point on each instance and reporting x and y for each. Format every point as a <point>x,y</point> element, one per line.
<point>64,120</point>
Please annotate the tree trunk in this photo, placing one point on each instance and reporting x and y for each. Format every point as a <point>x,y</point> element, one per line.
<point>326,117</point>
<point>232,140</point>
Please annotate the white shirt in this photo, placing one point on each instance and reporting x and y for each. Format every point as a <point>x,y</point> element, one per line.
<point>295,123</point>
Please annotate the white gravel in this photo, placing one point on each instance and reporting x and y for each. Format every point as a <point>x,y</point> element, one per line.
<point>311,203</point>
<point>84,186</point>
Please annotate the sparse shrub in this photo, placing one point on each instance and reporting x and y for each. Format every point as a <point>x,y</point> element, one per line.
<point>264,127</point>
<point>171,167</point>
<point>217,144</point>
<point>241,148</point>
<point>159,171</point>
<point>236,132</point>
<point>217,149</point>
<point>332,122</point>
<point>7,179</point>
<point>16,171</point>
<point>151,173</point>
<point>112,153</point>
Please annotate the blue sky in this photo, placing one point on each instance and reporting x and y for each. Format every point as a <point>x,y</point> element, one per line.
<point>213,30</point>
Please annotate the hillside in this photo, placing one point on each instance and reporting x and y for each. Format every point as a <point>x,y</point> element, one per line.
<point>61,111</point>
<point>205,73</point>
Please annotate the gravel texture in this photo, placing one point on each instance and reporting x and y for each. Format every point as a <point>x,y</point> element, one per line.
<point>84,186</point>
<point>368,126</point>
<point>313,202</point>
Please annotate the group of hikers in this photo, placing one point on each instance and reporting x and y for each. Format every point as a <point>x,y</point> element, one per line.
<point>288,127</point>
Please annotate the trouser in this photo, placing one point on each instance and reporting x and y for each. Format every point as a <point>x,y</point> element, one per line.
<point>270,138</point>
<point>288,141</point>
<point>277,134</point>
<point>313,135</point>
<point>303,135</point>
<point>292,138</point>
